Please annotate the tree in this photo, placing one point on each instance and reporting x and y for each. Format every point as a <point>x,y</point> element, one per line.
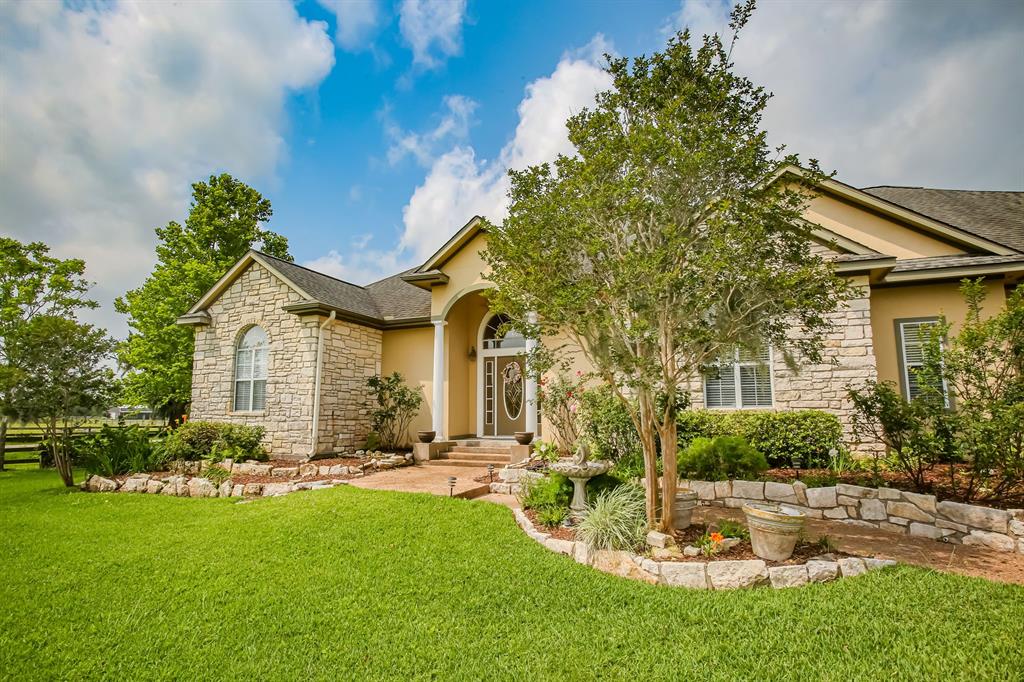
<point>395,405</point>
<point>225,220</point>
<point>32,284</point>
<point>66,381</point>
<point>664,243</point>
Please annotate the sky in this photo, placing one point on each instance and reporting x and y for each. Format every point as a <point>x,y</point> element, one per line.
<point>377,128</point>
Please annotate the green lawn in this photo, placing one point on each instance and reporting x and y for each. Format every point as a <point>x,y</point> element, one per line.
<point>346,584</point>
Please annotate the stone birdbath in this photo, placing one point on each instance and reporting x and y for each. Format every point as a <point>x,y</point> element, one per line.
<point>579,471</point>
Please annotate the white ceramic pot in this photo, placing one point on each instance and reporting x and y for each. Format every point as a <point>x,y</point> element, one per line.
<point>774,530</point>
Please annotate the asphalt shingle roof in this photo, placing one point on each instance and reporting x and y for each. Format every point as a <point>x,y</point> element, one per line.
<point>390,299</point>
<point>996,216</point>
<point>939,262</point>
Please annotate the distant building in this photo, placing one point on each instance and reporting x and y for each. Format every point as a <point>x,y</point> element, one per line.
<point>130,413</point>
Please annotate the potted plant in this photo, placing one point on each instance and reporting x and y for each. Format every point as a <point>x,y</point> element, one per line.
<point>774,529</point>
<point>524,437</point>
<point>426,436</point>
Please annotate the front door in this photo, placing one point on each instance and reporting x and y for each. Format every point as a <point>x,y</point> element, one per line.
<point>504,395</point>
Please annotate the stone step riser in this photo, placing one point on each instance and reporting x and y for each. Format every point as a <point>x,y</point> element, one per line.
<point>463,453</point>
<point>479,464</point>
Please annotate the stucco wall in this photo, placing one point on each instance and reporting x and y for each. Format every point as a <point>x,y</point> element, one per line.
<point>411,352</point>
<point>925,300</point>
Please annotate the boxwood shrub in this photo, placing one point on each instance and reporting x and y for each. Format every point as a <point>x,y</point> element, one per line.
<point>779,436</point>
<point>214,441</point>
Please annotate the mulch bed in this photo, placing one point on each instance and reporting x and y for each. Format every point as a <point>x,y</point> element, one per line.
<point>689,536</point>
<point>557,532</point>
<point>937,482</point>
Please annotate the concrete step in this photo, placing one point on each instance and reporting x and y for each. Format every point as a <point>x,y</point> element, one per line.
<point>476,463</point>
<point>466,450</point>
<point>478,491</point>
<point>491,443</point>
<point>475,457</point>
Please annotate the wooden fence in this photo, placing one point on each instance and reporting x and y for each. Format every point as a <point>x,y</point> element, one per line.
<point>28,440</point>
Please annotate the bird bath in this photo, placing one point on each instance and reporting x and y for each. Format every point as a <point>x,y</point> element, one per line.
<point>579,473</point>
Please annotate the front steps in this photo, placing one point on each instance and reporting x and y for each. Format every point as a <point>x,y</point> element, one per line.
<point>476,453</point>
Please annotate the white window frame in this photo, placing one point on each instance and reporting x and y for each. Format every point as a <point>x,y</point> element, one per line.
<point>905,365</point>
<point>736,364</point>
<point>241,352</point>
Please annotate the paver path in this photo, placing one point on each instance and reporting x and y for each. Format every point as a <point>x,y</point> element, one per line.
<point>427,479</point>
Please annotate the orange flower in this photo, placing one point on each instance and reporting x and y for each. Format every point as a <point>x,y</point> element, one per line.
<point>717,537</point>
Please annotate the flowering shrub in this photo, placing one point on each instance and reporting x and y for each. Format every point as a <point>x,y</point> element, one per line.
<point>559,400</point>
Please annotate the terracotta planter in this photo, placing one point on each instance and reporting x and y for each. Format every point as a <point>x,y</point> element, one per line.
<point>774,529</point>
<point>524,437</point>
<point>682,509</point>
<point>426,436</point>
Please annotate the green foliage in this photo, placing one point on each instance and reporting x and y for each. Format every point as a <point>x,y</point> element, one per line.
<point>980,418</point>
<point>616,520</point>
<point>673,245</point>
<point>545,450</point>
<point>608,428</point>
<point>551,515</point>
<point>216,474</point>
<point>721,458</point>
<point>598,485</point>
<point>119,450</point>
<point>395,406</point>
<point>553,490</point>
<point>214,441</point>
<point>782,437</point>
<point>559,398</point>
<point>372,441</point>
<point>225,220</point>
<point>733,529</point>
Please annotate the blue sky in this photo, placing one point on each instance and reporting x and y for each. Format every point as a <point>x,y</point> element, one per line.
<point>378,127</point>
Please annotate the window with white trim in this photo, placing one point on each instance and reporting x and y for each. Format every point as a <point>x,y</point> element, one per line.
<point>251,371</point>
<point>742,380</point>
<point>912,336</point>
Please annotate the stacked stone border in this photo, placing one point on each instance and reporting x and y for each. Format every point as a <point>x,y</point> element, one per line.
<point>884,508</point>
<point>704,575</point>
<point>191,483</point>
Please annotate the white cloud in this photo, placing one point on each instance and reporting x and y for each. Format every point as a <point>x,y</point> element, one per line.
<point>111,111</point>
<point>889,92</point>
<point>357,21</point>
<point>454,125</point>
<point>459,185</point>
<point>430,27</point>
<point>359,265</point>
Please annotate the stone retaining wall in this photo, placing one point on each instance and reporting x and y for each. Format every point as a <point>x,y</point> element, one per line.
<point>704,575</point>
<point>885,508</point>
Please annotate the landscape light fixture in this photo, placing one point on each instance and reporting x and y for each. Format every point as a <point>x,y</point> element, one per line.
<point>490,473</point>
<point>451,486</point>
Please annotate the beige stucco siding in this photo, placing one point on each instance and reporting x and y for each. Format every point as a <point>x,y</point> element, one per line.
<point>874,231</point>
<point>411,352</point>
<point>927,300</point>
<point>464,271</point>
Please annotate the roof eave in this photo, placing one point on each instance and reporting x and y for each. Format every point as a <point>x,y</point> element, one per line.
<point>307,308</point>
<point>453,245</point>
<point>196,319</point>
<point>1012,272</point>
<point>426,280</point>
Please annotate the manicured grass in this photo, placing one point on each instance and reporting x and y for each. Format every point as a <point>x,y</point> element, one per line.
<point>353,584</point>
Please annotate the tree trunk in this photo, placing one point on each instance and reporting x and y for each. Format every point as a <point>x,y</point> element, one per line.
<point>650,446</point>
<point>3,441</point>
<point>669,473</point>
<point>62,460</point>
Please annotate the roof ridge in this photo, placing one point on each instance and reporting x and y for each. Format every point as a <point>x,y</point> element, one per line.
<point>315,272</point>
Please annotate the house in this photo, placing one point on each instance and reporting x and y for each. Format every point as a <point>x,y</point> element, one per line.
<point>284,346</point>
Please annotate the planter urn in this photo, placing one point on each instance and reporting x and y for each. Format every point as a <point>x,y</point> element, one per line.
<point>426,436</point>
<point>685,502</point>
<point>524,437</point>
<point>774,529</point>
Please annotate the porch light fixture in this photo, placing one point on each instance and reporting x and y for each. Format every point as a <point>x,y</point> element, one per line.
<point>472,352</point>
<point>451,486</point>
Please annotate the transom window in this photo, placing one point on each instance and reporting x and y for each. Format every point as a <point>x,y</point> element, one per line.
<point>495,336</point>
<point>740,380</point>
<point>912,337</point>
<point>251,371</point>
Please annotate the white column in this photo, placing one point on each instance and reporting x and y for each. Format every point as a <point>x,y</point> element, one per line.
<point>438,405</point>
<point>531,383</point>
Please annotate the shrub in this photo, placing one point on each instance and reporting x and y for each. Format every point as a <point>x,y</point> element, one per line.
<point>546,450</point>
<point>552,516</point>
<point>781,437</point>
<point>216,474</point>
<point>616,520</point>
<point>118,450</point>
<point>601,484</point>
<point>214,441</point>
<point>608,428</point>
<point>395,406</point>
<point>723,458</point>
<point>554,490</point>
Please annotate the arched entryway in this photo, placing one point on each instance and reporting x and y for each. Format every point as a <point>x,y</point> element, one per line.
<point>501,378</point>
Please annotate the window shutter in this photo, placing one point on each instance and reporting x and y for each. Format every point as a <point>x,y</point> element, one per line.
<point>912,336</point>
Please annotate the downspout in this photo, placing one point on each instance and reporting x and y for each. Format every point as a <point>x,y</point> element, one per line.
<point>316,383</point>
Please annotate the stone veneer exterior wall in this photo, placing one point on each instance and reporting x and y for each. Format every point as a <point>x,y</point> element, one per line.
<point>849,360</point>
<point>351,353</point>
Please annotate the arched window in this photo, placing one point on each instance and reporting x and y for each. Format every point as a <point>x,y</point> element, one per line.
<point>251,371</point>
<point>498,335</point>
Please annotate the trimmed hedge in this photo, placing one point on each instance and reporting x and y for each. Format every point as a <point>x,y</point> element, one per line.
<point>779,436</point>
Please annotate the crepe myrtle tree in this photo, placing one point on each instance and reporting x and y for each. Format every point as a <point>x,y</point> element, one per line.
<point>666,242</point>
